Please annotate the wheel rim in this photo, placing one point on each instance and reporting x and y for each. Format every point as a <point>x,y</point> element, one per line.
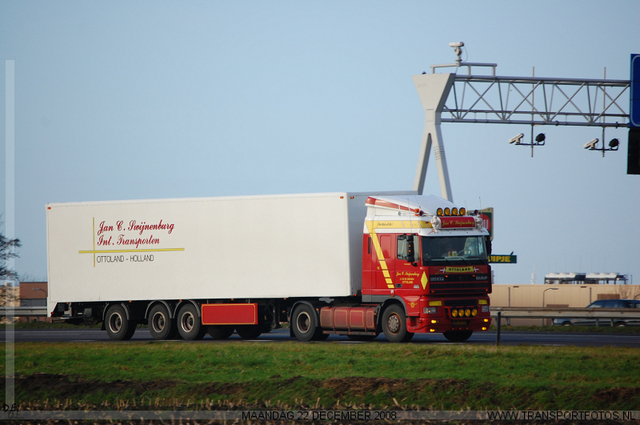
<point>393,324</point>
<point>188,322</point>
<point>158,322</point>
<point>115,322</point>
<point>303,322</point>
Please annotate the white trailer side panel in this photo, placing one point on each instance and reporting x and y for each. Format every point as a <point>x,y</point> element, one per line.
<point>235,247</point>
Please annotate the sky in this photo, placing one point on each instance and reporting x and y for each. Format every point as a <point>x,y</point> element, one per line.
<point>167,99</point>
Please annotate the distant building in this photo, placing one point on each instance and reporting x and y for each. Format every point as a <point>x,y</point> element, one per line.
<point>586,278</point>
<point>33,294</point>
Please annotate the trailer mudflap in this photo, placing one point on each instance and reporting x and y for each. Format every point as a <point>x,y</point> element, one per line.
<point>230,314</point>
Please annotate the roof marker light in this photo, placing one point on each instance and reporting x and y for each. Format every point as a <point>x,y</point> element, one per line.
<point>463,211</point>
<point>454,211</point>
<point>447,211</point>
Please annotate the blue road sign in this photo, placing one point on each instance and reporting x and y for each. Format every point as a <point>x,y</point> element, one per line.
<point>634,108</point>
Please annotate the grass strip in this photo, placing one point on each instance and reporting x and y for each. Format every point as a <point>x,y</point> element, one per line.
<point>292,374</point>
<point>603,328</point>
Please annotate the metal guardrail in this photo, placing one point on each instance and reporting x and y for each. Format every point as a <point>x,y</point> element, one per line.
<point>24,311</point>
<point>574,312</point>
<point>610,314</point>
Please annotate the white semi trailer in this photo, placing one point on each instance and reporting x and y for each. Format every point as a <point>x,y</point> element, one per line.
<point>325,263</point>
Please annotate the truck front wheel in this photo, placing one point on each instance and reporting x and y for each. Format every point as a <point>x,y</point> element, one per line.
<point>118,327</point>
<point>303,322</point>
<point>394,324</point>
<point>160,324</point>
<point>189,324</point>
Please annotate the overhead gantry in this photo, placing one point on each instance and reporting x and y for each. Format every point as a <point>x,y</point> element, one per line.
<point>534,101</point>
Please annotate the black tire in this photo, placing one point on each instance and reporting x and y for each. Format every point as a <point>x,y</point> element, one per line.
<point>394,324</point>
<point>161,326</point>
<point>218,332</point>
<point>304,322</point>
<point>249,331</point>
<point>189,324</point>
<point>408,337</point>
<point>320,336</point>
<point>118,327</point>
<point>362,337</point>
<point>457,336</point>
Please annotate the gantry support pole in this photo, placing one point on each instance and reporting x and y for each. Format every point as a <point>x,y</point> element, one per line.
<point>433,90</point>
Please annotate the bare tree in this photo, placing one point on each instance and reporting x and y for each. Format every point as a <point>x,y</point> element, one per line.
<point>7,251</point>
<point>629,292</point>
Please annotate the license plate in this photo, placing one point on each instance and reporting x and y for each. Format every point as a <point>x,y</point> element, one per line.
<point>459,322</point>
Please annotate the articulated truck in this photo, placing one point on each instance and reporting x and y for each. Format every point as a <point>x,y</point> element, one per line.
<point>350,264</point>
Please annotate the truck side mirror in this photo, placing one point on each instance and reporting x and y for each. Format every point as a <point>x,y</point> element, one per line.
<point>410,251</point>
<point>406,248</point>
<point>488,244</point>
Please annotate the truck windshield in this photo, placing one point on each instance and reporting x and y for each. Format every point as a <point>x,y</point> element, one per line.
<point>458,249</point>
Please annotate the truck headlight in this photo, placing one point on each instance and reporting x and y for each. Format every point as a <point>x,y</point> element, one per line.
<point>485,308</point>
<point>430,310</point>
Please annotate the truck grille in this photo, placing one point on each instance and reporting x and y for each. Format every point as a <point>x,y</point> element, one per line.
<point>445,287</point>
<point>458,303</point>
<point>460,278</point>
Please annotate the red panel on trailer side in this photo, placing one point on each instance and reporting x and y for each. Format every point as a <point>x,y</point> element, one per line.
<point>230,314</point>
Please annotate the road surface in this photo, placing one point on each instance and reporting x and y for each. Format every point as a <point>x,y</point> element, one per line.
<point>480,338</point>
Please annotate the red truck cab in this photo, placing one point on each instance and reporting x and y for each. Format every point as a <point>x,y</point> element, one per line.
<point>430,260</point>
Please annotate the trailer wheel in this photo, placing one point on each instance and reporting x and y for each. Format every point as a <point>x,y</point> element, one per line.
<point>394,324</point>
<point>219,332</point>
<point>249,331</point>
<point>189,324</point>
<point>160,324</point>
<point>303,322</point>
<point>118,327</point>
<point>457,336</point>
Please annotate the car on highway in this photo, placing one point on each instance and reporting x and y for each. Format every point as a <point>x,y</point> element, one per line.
<point>568,321</point>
